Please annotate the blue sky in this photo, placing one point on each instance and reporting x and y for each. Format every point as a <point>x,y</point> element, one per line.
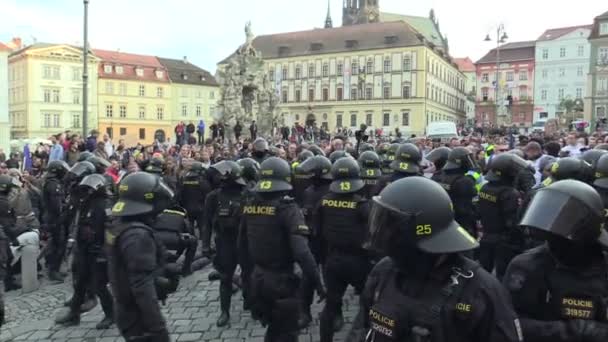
<point>208,30</point>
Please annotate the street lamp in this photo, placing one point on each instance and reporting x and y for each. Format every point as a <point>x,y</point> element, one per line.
<point>501,37</point>
<point>85,71</point>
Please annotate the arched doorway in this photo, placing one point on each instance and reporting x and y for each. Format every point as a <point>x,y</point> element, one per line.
<point>159,135</point>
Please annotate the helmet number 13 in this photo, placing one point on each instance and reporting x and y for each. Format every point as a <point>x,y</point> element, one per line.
<point>265,185</point>
<point>423,229</point>
<point>345,186</point>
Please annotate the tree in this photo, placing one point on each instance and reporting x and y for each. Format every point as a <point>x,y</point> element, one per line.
<point>570,107</point>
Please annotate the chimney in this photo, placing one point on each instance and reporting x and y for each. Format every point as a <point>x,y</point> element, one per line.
<point>15,43</point>
<point>185,59</point>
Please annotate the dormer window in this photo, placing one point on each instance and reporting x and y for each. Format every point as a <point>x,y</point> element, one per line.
<point>351,43</point>
<point>159,74</point>
<point>316,46</point>
<point>203,78</point>
<point>390,39</point>
<point>107,69</point>
<point>119,69</point>
<point>184,77</point>
<point>604,28</point>
<point>139,72</point>
<point>284,50</point>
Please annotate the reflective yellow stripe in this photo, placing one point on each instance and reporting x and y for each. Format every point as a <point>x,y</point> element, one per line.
<point>176,212</point>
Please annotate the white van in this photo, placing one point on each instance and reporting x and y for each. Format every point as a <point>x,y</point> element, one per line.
<point>443,130</point>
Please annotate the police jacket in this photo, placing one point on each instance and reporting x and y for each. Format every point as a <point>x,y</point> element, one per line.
<point>387,179</point>
<point>193,189</point>
<point>300,183</point>
<point>135,258</point>
<point>498,209</point>
<point>312,197</point>
<point>94,217</point>
<point>459,302</point>
<point>342,219</point>
<point>462,191</point>
<point>53,197</point>
<point>557,303</point>
<point>274,234</point>
<point>223,208</point>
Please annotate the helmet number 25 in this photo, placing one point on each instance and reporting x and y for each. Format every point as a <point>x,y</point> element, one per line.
<point>423,229</point>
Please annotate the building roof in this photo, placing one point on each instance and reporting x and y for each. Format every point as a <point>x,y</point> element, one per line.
<point>39,46</point>
<point>555,33</point>
<point>465,64</point>
<point>337,39</point>
<point>4,47</point>
<point>595,31</point>
<point>130,62</point>
<point>184,72</point>
<point>424,25</point>
<point>511,52</point>
<point>602,16</point>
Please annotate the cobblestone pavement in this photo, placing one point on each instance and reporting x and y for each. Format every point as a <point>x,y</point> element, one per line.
<point>191,314</point>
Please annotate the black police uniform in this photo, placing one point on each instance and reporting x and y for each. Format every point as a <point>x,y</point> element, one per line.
<point>137,259</point>
<point>193,189</point>
<point>342,219</point>
<point>172,228</point>
<point>92,218</point>
<point>560,289</point>
<point>424,290</point>
<point>502,240</point>
<point>370,172</point>
<point>223,209</point>
<point>4,250</point>
<point>53,195</point>
<point>274,234</point>
<point>406,163</point>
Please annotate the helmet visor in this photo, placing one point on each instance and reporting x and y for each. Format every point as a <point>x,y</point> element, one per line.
<point>384,227</point>
<point>568,217</point>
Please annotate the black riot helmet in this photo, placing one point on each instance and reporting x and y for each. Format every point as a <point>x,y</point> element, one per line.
<point>316,150</point>
<point>601,147</point>
<point>424,221</point>
<point>592,157</point>
<point>305,154</point>
<point>601,173</point>
<point>81,170</point>
<point>100,164</point>
<point>230,172</point>
<point>259,147</point>
<point>382,149</point>
<point>407,159</point>
<point>58,168</point>
<point>275,176</point>
<point>335,155</point>
<point>439,156</point>
<point>370,162</point>
<point>572,168</point>
<point>505,167</point>
<point>345,173</point>
<point>84,156</point>
<point>94,183</point>
<point>366,147</point>
<point>142,193</point>
<point>569,209</point>
<point>251,169</point>
<point>156,166</point>
<point>198,168</point>
<point>390,153</point>
<point>318,166</point>
<point>7,183</point>
<point>460,158</point>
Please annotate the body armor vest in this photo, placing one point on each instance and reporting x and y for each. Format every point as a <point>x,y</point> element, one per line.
<point>342,228</point>
<point>228,212</point>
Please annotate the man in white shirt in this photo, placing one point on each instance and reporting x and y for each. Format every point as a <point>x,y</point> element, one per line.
<point>572,149</point>
<point>108,146</point>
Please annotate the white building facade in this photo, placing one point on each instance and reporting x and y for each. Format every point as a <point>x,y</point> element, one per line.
<point>562,64</point>
<point>5,131</point>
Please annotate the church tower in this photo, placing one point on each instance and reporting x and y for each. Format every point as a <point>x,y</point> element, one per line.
<point>360,12</point>
<point>328,21</point>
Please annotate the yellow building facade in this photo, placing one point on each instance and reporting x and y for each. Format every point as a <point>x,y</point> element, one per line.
<point>45,90</point>
<point>134,96</point>
<point>385,75</point>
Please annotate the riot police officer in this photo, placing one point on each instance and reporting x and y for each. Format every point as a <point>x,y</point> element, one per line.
<point>53,194</point>
<point>559,289</point>
<point>600,182</point>
<point>301,181</point>
<point>173,229</point>
<point>425,290</point>
<point>316,150</point>
<point>223,209</point>
<point>439,157</point>
<point>406,163</point>
<point>138,272</point>
<point>259,150</point>
<point>498,210</point>
<point>4,250</point>
<point>319,168</point>
<point>193,189</point>
<point>389,157</point>
<point>251,172</point>
<point>92,218</point>
<point>569,168</point>
<point>274,234</point>
<point>370,164</point>
<point>456,180</point>
<point>342,219</point>
<point>335,155</point>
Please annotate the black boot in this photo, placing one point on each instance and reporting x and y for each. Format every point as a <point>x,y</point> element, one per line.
<point>68,319</point>
<point>10,284</point>
<point>304,320</point>
<point>225,299</point>
<point>105,323</point>
<point>223,320</point>
<point>89,304</point>
<point>214,275</point>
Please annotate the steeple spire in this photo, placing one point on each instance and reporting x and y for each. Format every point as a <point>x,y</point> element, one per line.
<point>328,22</point>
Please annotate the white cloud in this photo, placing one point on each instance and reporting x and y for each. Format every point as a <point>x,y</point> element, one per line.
<point>207,31</point>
